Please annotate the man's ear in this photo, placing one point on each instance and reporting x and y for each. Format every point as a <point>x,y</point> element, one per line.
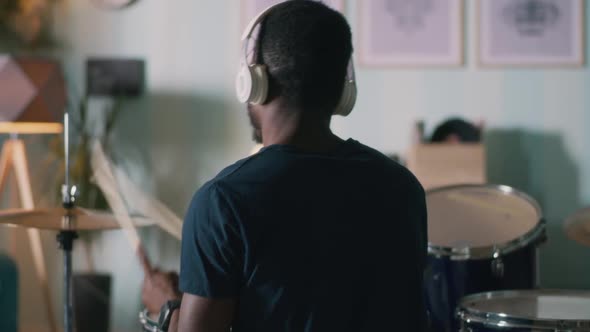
<point>274,89</point>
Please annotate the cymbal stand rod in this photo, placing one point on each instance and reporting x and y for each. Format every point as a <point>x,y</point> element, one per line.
<point>68,291</point>
<point>67,199</point>
<point>66,238</point>
<point>66,242</point>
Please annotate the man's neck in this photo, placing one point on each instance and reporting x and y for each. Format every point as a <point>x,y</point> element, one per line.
<point>296,128</point>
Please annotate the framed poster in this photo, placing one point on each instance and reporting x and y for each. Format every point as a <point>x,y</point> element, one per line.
<point>411,32</point>
<point>252,7</point>
<point>531,32</point>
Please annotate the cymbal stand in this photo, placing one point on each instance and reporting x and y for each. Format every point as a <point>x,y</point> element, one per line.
<point>66,238</point>
<point>66,243</point>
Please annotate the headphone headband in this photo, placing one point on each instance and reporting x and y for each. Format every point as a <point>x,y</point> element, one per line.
<point>252,80</point>
<point>254,22</point>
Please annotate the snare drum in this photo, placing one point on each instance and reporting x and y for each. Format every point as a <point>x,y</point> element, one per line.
<point>480,238</point>
<point>148,324</point>
<point>525,311</point>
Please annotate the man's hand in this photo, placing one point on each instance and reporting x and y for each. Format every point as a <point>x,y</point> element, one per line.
<point>159,287</point>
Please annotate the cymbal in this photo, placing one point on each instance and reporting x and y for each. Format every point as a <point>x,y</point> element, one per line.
<point>53,219</point>
<point>577,226</point>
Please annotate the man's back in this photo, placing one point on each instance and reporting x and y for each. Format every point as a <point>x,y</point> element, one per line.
<point>310,242</point>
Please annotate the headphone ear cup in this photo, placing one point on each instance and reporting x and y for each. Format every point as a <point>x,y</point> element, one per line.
<point>252,84</point>
<point>244,84</point>
<point>259,91</point>
<point>347,100</point>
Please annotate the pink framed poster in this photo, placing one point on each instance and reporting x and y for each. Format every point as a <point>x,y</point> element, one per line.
<point>410,32</point>
<point>531,32</point>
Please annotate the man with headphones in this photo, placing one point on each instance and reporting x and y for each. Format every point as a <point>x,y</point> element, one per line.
<point>312,233</point>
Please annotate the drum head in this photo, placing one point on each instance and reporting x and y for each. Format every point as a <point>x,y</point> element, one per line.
<point>536,306</point>
<point>475,216</point>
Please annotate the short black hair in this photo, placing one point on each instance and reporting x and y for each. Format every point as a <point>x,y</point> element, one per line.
<point>465,131</point>
<point>306,47</point>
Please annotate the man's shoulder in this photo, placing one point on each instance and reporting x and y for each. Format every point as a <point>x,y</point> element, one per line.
<point>243,168</point>
<point>390,167</point>
<point>373,153</point>
<point>221,183</point>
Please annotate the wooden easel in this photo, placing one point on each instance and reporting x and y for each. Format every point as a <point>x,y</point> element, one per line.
<point>13,156</point>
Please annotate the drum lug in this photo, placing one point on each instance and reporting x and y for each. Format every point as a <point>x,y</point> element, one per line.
<point>497,265</point>
<point>465,328</point>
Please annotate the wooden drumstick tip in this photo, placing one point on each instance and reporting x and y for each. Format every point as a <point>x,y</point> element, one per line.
<point>144,260</point>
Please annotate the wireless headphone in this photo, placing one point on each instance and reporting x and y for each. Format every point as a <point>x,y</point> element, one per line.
<point>252,79</point>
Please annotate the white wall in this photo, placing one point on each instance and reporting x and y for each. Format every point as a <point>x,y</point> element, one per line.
<point>189,126</point>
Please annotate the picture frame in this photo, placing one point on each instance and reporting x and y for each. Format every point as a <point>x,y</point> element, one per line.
<point>409,33</point>
<point>531,33</point>
<point>250,8</point>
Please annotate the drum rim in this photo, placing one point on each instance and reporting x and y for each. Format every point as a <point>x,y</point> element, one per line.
<point>469,315</point>
<point>465,253</point>
<point>144,319</point>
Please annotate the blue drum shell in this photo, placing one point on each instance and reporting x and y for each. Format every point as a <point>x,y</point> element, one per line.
<point>447,281</point>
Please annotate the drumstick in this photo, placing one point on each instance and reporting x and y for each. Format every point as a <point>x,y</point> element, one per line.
<point>144,261</point>
<point>125,222</point>
<point>104,177</point>
<point>149,206</point>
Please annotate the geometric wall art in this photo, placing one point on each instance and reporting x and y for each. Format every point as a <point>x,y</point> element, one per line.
<point>32,89</point>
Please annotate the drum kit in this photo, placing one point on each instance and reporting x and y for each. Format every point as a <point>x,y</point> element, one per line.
<point>482,266</point>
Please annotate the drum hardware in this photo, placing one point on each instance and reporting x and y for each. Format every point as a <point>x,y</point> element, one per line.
<point>66,238</point>
<point>66,243</point>
<point>497,265</point>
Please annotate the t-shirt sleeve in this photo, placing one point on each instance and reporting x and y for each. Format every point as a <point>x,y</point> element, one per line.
<point>212,248</point>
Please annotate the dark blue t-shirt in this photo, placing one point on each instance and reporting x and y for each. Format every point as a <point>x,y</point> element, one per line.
<point>310,242</point>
